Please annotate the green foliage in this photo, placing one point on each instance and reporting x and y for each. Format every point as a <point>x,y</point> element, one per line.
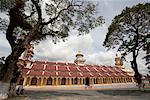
<point>129,30</point>
<point>6,4</point>
<point>59,17</point>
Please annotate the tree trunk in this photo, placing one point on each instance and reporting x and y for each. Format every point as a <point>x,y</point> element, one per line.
<point>137,75</point>
<point>4,88</point>
<point>13,83</point>
<point>7,73</point>
<point>12,90</point>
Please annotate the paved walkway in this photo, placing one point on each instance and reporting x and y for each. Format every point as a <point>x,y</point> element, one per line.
<point>97,92</point>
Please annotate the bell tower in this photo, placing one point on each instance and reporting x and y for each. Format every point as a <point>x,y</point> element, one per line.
<point>79,59</point>
<point>118,62</point>
<point>25,59</point>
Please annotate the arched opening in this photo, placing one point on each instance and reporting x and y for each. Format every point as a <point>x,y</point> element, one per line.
<point>112,80</point>
<point>58,81</point>
<point>80,81</point>
<point>63,81</point>
<point>83,81</point>
<point>34,81</point>
<point>39,81</point>
<point>72,81</point>
<point>76,81</point>
<point>97,80</point>
<point>87,81</point>
<point>28,81</point>
<point>49,81</point>
<point>44,81</point>
<point>68,81</point>
<point>104,80</point>
<point>55,83</point>
<point>21,81</point>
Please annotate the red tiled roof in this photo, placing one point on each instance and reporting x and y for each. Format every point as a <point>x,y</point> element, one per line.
<point>34,73</point>
<point>40,68</point>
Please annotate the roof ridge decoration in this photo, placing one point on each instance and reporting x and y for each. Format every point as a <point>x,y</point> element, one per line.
<point>91,74</point>
<point>108,74</point>
<point>44,66</point>
<point>28,72</point>
<point>87,69</point>
<point>100,74</point>
<point>56,67</point>
<point>68,68</point>
<point>103,69</point>
<point>81,74</point>
<point>43,72</point>
<point>78,68</point>
<point>69,74</point>
<point>56,73</point>
<point>95,69</point>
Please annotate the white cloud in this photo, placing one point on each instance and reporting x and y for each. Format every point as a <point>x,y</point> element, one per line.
<point>64,51</point>
<point>90,45</point>
<point>4,46</point>
<point>101,58</point>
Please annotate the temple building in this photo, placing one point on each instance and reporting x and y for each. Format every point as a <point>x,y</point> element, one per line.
<point>44,73</point>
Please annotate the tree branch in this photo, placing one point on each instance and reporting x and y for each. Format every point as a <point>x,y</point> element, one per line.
<point>38,8</point>
<point>51,20</point>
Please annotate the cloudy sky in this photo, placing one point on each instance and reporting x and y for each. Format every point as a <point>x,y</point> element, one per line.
<point>90,45</point>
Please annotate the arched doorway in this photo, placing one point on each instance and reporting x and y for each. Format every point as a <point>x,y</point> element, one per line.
<point>59,81</point>
<point>28,81</point>
<point>83,81</point>
<point>76,81</point>
<point>63,81</point>
<point>80,81</point>
<point>49,81</point>
<point>72,81</point>
<point>97,81</point>
<point>94,81</point>
<point>21,81</point>
<point>87,81</point>
<point>34,81</point>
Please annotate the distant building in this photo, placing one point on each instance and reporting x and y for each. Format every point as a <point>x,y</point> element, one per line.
<point>43,73</point>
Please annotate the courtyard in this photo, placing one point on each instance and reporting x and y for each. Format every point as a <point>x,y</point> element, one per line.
<point>85,95</point>
<point>103,92</point>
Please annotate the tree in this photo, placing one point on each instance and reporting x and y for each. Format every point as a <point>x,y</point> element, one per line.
<point>30,21</point>
<point>128,33</point>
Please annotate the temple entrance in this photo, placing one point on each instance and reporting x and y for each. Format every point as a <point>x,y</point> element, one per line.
<point>63,81</point>
<point>87,81</point>
<point>34,81</point>
<point>49,81</point>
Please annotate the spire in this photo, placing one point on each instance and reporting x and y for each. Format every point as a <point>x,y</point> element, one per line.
<point>79,59</point>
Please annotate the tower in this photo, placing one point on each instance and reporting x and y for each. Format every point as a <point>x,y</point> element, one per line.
<point>118,62</point>
<point>25,59</point>
<point>79,59</point>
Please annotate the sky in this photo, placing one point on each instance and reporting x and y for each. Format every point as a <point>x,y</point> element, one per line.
<point>90,45</point>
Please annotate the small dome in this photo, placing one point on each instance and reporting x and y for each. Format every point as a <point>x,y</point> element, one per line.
<point>79,54</point>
